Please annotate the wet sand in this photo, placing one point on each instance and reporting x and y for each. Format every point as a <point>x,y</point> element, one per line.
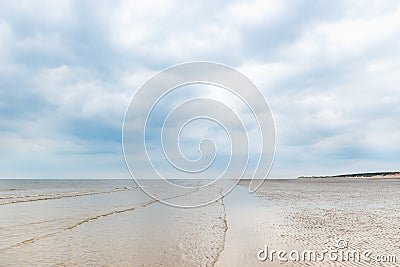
<point>116,224</point>
<point>314,214</point>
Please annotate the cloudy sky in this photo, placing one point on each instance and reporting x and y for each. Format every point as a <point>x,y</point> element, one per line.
<point>68,69</point>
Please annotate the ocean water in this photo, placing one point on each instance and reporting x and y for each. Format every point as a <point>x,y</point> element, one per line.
<point>113,223</point>
<point>32,208</point>
<point>102,222</point>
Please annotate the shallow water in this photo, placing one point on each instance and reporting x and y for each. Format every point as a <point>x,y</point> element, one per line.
<point>112,222</point>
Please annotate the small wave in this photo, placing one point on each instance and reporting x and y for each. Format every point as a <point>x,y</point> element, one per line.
<point>90,219</point>
<point>87,220</point>
<point>221,246</point>
<point>108,214</point>
<point>41,197</point>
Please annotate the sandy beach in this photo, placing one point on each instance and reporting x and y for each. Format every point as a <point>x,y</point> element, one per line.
<point>113,223</point>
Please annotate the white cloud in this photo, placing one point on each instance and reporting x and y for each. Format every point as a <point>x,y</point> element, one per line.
<point>255,12</point>
<point>329,71</point>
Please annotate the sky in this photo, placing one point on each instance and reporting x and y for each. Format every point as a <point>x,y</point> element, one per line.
<point>330,71</point>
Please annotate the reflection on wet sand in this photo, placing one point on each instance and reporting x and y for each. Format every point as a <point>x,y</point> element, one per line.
<point>115,223</point>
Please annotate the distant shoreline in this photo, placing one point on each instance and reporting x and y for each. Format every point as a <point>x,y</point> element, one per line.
<point>370,175</point>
